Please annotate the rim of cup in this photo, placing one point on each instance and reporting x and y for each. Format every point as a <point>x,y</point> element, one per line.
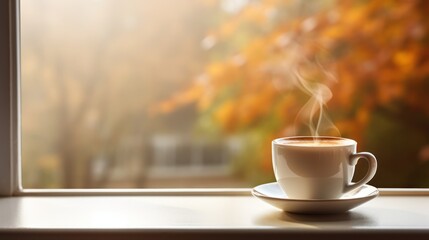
<point>345,141</point>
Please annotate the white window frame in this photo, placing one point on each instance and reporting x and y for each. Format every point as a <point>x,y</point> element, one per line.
<point>10,133</point>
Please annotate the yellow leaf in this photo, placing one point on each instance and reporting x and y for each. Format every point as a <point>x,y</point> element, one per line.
<point>404,59</point>
<point>224,115</point>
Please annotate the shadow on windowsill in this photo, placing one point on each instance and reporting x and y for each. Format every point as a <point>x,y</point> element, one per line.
<point>291,220</point>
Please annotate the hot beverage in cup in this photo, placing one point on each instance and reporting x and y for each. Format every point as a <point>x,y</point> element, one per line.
<point>318,167</point>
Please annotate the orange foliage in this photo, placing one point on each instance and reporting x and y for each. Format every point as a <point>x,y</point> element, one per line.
<point>372,44</point>
<point>377,51</point>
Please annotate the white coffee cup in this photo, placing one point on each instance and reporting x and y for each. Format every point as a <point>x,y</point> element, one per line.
<point>318,167</point>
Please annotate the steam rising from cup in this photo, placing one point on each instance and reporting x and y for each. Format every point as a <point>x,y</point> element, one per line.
<point>300,69</point>
<point>313,113</point>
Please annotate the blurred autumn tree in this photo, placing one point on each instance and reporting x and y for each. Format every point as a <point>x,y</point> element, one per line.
<point>373,55</point>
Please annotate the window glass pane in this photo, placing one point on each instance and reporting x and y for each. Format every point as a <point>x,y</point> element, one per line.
<point>154,93</point>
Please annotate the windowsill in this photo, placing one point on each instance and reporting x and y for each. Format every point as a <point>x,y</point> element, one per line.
<point>193,216</point>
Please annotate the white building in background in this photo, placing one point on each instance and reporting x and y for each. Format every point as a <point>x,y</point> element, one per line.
<point>174,156</point>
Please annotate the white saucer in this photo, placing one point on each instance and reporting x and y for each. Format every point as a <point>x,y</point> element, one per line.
<point>272,194</point>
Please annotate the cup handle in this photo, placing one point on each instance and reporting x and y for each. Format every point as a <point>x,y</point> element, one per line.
<point>372,168</point>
